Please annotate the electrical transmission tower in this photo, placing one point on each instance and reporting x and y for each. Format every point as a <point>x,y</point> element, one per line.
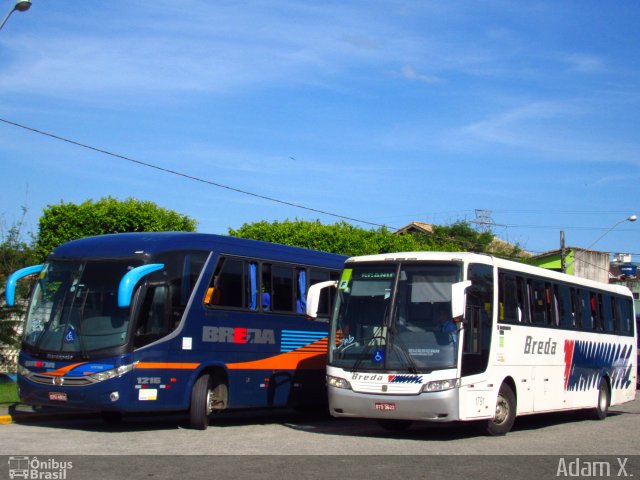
<point>483,220</point>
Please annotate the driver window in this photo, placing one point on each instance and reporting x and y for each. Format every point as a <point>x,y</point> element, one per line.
<point>153,319</point>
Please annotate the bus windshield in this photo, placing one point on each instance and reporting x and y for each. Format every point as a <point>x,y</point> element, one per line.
<point>74,308</point>
<point>395,317</point>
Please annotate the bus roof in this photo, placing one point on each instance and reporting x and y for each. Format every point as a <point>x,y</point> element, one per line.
<point>489,259</point>
<point>141,244</point>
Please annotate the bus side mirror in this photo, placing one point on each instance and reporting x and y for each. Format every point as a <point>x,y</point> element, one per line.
<point>458,299</point>
<point>131,278</point>
<point>313,297</point>
<point>10,292</point>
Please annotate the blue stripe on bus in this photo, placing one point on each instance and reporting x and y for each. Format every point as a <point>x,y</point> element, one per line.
<point>592,359</point>
<point>292,339</point>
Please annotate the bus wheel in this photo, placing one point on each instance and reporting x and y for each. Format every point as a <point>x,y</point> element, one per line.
<point>505,412</point>
<point>394,425</point>
<point>604,399</point>
<point>201,402</point>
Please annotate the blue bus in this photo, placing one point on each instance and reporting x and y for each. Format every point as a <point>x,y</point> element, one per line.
<point>149,322</point>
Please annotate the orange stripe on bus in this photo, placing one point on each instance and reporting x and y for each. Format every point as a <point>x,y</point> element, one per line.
<point>285,361</point>
<point>61,371</point>
<point>166,365</point>
<point>305,358</point>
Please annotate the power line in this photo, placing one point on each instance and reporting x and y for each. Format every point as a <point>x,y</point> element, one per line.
<point>185,175</point>
<point>237,190</point>
<point>563,212</point>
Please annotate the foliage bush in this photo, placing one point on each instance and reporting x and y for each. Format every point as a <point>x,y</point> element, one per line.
<point>67,221</point>
<point>15,253</point>
<point>346,239</point>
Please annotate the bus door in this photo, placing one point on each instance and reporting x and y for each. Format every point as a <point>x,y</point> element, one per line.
<point>478,396</point>
<point>161,371</point>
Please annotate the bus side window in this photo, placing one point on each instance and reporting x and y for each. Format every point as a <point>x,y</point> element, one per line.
<point>478,319</point>
<point>576,312</point>
<point>251,285</point>
<point>282,288</point>
<point>326,296</point>
<point>538,298</point>
<point>318,276</point>
<point>586,319</point>
<point>301,290</point>
<point>234,284</point>
<point>226,289</point>
<point>551,307</point>
<point>181,285</point>
<point>565,306</point>
<point>153,316</point>
<point>265,287</point>
<point>523,310</point>
<point>625,322</point>
<point>608,315</point>
<point>508,299</point>
<point>596,306</point>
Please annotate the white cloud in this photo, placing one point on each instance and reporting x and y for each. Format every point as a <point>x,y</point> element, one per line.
<point>581,63</point>
<point>558,131</point>
<point>200,48</point>
<point>409,73</point>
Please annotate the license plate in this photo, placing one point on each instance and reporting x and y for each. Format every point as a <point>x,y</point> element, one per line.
<point>58,396</point>
<point>387,407</point>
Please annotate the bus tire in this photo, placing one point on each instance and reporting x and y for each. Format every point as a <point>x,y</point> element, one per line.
<point>201,400</point>
<point>394,425</point>
<point>505,413</point>
<point>604,400</point>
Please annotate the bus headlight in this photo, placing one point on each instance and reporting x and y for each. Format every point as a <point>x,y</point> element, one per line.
<point>23,371</point>
<point>440,385</point>
<point>337,382</point>
<point>113,373</point>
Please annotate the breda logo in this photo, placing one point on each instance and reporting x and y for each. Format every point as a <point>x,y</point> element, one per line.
<point>539,347</point>
<point>238,335</point>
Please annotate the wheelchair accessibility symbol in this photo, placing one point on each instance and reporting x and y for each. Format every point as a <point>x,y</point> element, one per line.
<point>378,356</point>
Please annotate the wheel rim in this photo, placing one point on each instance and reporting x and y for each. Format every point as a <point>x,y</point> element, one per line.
<point>603,400</point>
<point>209,402</point>
<point>502,410</point>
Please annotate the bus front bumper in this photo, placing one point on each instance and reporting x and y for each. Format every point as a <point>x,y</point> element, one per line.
<point>432,406</point>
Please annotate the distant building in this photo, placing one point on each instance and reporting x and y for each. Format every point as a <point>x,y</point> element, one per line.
<point>625,272</point>
<point>497,246</point>
<point>416,227</point>
<point>580,262</point>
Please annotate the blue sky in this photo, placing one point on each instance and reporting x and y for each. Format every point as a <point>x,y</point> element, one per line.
<point>382,111</point>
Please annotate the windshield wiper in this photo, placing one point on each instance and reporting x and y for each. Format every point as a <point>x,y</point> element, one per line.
<point>46,328</point>
<point>397,344</point>
<point>80,333</point>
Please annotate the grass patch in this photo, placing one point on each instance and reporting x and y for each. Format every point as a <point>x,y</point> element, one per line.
<point>9,393</point>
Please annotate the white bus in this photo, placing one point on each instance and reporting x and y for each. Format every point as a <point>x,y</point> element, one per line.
<point>446,337</point>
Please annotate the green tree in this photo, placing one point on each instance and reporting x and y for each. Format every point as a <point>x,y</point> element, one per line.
<point>346,239</point>
<point>67,221</point>
<point>460,237</point>
<point>15,253</point>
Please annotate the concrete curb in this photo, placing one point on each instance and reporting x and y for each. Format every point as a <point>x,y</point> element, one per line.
<point>25,414</point>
